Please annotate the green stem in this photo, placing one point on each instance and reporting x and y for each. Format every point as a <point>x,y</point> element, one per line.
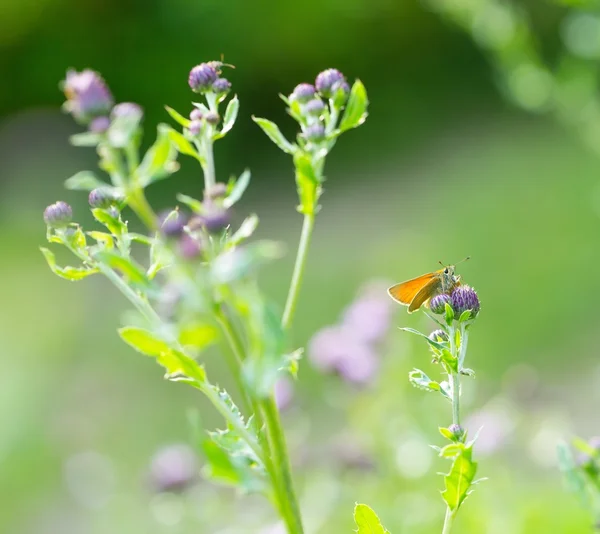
<point>301,256</point>
<point>448,520</point>
<point>209,161</point>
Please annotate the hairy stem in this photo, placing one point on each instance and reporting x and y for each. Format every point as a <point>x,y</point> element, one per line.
<point>299,266</point>
<point>448,520</point>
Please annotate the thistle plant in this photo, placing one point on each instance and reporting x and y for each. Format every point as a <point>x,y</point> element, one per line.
<point>194,281</point>
<point>448,344</point>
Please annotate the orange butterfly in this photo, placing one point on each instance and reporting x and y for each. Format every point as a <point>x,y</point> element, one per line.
<point>418,291</point>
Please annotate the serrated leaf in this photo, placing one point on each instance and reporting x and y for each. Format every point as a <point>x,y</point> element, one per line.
<point>68,272</point>
<point>159,160</point>
<point>449,360</point>
<point>85,139</point>
<point>231,113</point>
<point>238,189</point>
<point>459,479</point>
<point>356,108</point>
<point>85,181</point>
<point>447,433</point>
<point>275,135</point>
<point>183,145</point>
<point>367,521</point>
<point>126,266</point>
<point>178,118</point>
<point>245,230</point>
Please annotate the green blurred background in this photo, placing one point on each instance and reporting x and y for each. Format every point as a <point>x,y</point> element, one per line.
<point>443,168</point>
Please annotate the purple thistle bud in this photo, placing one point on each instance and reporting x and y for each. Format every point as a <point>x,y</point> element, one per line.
<point>189,248</point>
<point>457,431</point>
<point>438,303</point>
<point>216,191</point>
<point>58,215</point>
<point>326,81</point>
<point>314,107</point>
<point>438,335</point>
<point>99,124</point>
<point>196,115</point>
<point>303,93</point>
<point>464,298</point>
<point>212,118</point>
<point>127,110</point>
<point>314,132</point>
<point>214,219</point>
<point>102,198</point>
<point>195,127</point>
<point>221,86</point>
<point>202,77</point>
<point>173,469</point>
<point>87,95</point>
<point>171,224</point>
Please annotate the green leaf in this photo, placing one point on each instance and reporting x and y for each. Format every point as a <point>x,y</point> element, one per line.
<point>464,316</point>
<point>195,205</point>
<point>449,314</point>
<point>238,189</point>
<point>450,451</point>
<point>126,266</point>
<point>275,135</point>
<point>447,433</point>
<point>367,521</point>
<point>307,183</point>
<point>159,160</point>
<point>103,239</point>
<point>85,139</point>
<point>231,113</point>
<point>181,368</point>
<point>356,108</point>
<point>85,181</point>
<point>177,117</point>
<point>68,272</point>
<point>439,346</point>
<point>144,341</point>
<point>198,335</point>
<point>183,145</point>
<point>449,360</point>
<point>114,225</point>
<point>245,230</point>
<point>420,380</point>
<point>291,361</point>
<point>459,479</point>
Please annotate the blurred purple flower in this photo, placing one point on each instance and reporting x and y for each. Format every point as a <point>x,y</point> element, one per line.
<point>188,247</point>
<point>87,95</point>
<point>369,318</point>
<point>99,124</point>
<point>284,393</point>
<point>174,468</point>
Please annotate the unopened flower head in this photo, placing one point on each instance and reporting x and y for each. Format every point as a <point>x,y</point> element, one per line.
<point>196,115</point>
<point>314,133</point>
<point>438,303</point>
<point>214,219</point>
<point>58,215</point>
<point>212,118</point>
<point>202,77</point>
<point>438,335</point>
<point>99,124</point>
<point>195,127</point>
<point>329,81</point>
<point>303,93</point>
<point>216,191</point>
<point>87,95</point>
<point>221,86</point>
<point>457,431</point>
<point>102,198</point>
<point>128,110</point>
<point>172,223</point>
<point>314,107</point>
<point>464,298</point>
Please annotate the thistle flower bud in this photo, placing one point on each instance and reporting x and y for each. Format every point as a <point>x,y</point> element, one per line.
<point>329,80</point>
<point>171,224</point>
<point>216,191</point>
<point>314,133</point>
<point>438,303</point>
<point>457,431</point>
<point>195,127</point>
<point>87,95</point>
<point>128,110</point>
<point>212,118</point>
<point>221,86</point>
<point>189,248</point>
<point>314,107</point>
<point>202,77</point>
<point>99,124</point>
<point>102,198</point>
<point>464,298</point>
<point>196,115</point>
<point>214,220</point>
<point>438,335</point>
<point>303,93</point>
<point>58,215</point>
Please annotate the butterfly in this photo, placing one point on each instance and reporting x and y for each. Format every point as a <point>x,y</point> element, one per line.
<point>418,291</point>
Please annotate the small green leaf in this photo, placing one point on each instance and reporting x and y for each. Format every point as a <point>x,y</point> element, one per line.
<point>584,447</point>
<point>85,139</point>
<point>102,238</point>
<point>447,433</point>
<point>449,314</point>
<point>231,113</point>
<point>356,108</point>
<point>177,117</point>
<point>123,129</point>
<point>126,266</point>
<point>181,368</point>
<point>198,335</point>
<point>85,181</point>
<point>467,372</point>
<point>459,479</point>
<point>275,135</point>
<point>450,451</point>
<point>367,521</point>
<point>183,145</point>
<point>449,360</point>
<point>190,202</point>
<point>307,183</point>
<point>114,225</point>
<point>144,341</point>
<point>465,316</point>
<point>159,160</point>
<point>68,272</point>
<point>439,346</point>
<point>245,230</point>
<point>420,380</point>
<point>238,189</point>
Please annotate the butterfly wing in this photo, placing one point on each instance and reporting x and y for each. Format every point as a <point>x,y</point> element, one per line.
<point>405,292</point>
<point>427,291</point>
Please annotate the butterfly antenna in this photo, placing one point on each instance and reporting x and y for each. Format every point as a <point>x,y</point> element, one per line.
<point>467,258</point>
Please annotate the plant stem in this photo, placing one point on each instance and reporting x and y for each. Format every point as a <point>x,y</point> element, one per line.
<point>209,165</point>
<point>301,256</point>
<point>448,520</point>
<point>139,204</point>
